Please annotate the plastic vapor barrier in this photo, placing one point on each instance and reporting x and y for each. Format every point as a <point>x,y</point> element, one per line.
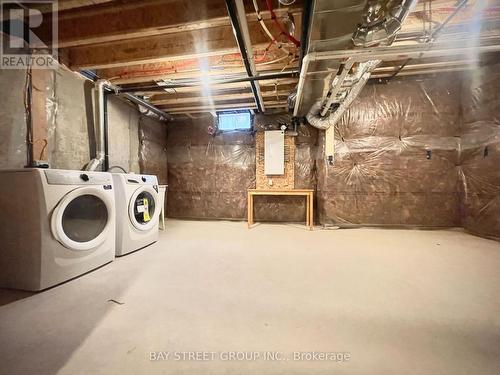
<point>415,152</point>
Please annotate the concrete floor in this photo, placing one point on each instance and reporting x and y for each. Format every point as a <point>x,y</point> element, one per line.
<point>397,301</point>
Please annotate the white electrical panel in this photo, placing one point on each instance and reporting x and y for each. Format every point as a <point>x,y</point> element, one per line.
<point>274,152</point>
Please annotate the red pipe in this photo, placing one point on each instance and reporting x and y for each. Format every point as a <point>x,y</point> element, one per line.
<point>282,29</point>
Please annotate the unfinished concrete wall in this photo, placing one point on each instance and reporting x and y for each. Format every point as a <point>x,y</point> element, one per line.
<point>480,151</point>
<point>152,148</point>
<point>12,119</point>
<point>69,144</point>
<point>123,124</point>
<point>70,121</point>
<point>396,151</point>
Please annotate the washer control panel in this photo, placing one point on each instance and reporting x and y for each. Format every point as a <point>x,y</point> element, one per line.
<point>141,179</point>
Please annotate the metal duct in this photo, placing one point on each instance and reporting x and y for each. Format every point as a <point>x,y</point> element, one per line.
<point>381,24</point>
<point>100,118</point>
<point>102,89</point>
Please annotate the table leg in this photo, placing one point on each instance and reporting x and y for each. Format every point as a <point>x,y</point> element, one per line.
<point>311,211</point>
<point>250,209</point>
<point>162,219</point>
<point>307,210</point>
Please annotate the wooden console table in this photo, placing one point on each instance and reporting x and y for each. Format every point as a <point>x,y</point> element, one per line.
<point>308,193</point>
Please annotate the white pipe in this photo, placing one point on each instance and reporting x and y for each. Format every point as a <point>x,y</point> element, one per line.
<point>395,52</point>
<point>310,57</point>
<point>99,119</point>
<point>242,17</point>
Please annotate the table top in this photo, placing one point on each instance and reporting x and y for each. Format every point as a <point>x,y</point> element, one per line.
<point>280,191</point>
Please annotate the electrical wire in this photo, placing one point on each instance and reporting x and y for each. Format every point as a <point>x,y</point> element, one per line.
<point>266,30</point>
<point>42,152</point>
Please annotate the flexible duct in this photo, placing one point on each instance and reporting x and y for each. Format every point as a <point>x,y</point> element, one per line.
<point>314,115</point>
<point>380,25</point>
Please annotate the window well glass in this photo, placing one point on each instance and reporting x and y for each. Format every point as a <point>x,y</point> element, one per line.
<point>234,120</point>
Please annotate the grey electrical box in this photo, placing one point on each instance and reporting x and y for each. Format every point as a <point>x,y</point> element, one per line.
<point>274,152</point>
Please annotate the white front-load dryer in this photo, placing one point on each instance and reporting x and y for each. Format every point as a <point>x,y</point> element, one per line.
<point>54,225</point>
<point>137,211</point>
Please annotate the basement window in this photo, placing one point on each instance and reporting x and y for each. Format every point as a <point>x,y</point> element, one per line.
<point>234,120</point>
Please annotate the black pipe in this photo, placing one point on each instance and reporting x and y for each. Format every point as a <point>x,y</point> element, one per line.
<point>29,118</point>
<point>106,131</point>
<point>231,9</point>
<point>306,29</point>
<point>89,74</point>
<point>261,77</point>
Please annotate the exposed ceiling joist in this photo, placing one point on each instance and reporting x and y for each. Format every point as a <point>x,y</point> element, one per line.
<point>116,22</point>
<point>159,72</point>
<point>216,98</point>
<point>221,107</point>
<point>191,44</point>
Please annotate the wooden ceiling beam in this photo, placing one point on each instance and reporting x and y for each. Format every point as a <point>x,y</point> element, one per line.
<point>63,5</point>
<point>226,106</point>
<point>124,76</point>
<point>148,20</point>
<point>111,22</point>
<point>466,16</point>
<point>216,98</point>
<point>287,82</point>
<point>188,92</point>
<point>193,44</point>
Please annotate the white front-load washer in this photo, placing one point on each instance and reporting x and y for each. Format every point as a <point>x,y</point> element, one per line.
<point>54,225</point>
<point>137,211</point>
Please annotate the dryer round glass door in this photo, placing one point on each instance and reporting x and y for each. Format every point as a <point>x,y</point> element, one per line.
<point>81,218</point>
<point>143,208</point>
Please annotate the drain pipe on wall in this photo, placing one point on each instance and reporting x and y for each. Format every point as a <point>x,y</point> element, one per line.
<point>104,88</point>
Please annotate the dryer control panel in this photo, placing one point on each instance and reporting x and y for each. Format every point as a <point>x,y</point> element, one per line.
<point>62,177</point>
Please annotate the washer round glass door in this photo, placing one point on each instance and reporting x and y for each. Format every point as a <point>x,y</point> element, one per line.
<point>81,219</point>
<point>143,208</point>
